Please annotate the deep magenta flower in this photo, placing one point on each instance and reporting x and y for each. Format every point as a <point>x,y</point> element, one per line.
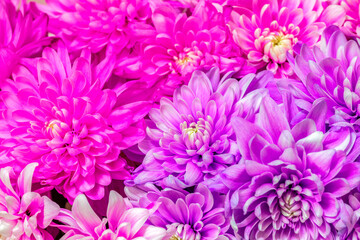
<point>23,214</point>
<point>267,29</point>
<point>330,72</point>
<point>22,34</point>
<point>96,24</point>
<point>190,139</point>
<point>57,114</point>
<point>122,221</point>
<point>187,43</point>
<point>289,183</point>
<point>190,216</point>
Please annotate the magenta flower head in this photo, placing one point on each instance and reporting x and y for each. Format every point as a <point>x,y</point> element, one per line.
<point>122,221</point>
<point>289,184</point>
<point>190,139</point>
<point>187,43</point>
<point>330,72</point>
<point>23,214</point>
<point>58,115</point>
<point>96,24</point>
<point>22,34</point>
<point>197,215</point>
<point>267,29</point>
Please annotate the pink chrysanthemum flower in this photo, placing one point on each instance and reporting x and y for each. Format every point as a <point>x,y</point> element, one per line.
<point>95,24</point>
<point>121,222</point>
<point>187,43</point>
<point>23,214</point>
<point>267,29</point>
<point>58,115</point>
<point>20,35</point>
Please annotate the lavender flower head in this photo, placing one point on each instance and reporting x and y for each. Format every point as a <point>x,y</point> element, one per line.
<point>24,214</point>
<point>330,72</point>
<point>190,139</point>
<point>289,183</point>
<point>190,216</point>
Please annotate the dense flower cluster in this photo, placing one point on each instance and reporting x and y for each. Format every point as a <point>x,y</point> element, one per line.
<point>179,120</point>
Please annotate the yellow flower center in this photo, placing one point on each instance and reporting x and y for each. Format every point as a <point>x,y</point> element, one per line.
<point>191,130</point>
<point>51,125</point>
<point>276,41</point>
<point>183,61</point>
<point>277,46</point>
<point>175,237</point>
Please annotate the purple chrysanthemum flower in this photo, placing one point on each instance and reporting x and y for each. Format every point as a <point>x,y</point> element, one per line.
<point>330,72</point>
<point>23,214</point>
<point>190,138</point>
<point>288,184</point>
<point>122,221</point>
<point>190,216</point>
<point>267,29</point>
<point>22,34</point>
<point>56,113</point>
<point>187,43</point>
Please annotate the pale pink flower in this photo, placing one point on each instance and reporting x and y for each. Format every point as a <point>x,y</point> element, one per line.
<point>267,29</point>
<point>24,214</point>
<point>122,221</point>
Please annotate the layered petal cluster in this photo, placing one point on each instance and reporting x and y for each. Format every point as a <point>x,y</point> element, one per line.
<point>190,139</point>
<point>56,113</point>
<point>330,72</point>
<point>190,216</point>
<point>350,217</point>
<point>22,34</point>
<point>345,14</point>
<point>186,43</point>
<point>266,30</point>
<point>122,221</point>
<point>351,25</point>
<point>96,24</point>
<point>24,214</point>
<point>290,183</point>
